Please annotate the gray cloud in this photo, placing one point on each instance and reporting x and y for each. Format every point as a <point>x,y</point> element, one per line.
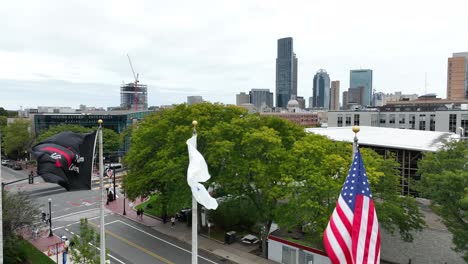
<point>65,52</point>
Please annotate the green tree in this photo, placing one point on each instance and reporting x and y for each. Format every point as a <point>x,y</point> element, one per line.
<point>158,159</point>
<point>111,140</point>
<point>19,211</point>
<point>444,180</point>
<point>83,246</point>
<point>246,154</point>
<point>17,138</point>
<point>3,112</point>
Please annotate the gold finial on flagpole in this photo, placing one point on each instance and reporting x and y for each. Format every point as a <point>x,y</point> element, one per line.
<point>100,122</point>
<point>194,124</point>
<point>356,130</point>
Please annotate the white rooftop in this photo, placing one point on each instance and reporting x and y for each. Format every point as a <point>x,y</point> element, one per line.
<point>388,137</point>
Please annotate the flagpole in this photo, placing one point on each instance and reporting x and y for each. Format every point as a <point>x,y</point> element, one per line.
<point>194,216</point>
<point>1,208</point>
<point>356,130</point>
<point>103,198</point>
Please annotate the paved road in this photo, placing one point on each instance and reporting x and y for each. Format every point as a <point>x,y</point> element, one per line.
<point>131,242</point>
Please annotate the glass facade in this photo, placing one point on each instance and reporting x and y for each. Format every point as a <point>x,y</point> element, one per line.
<point>321,90</point>
<point>362,78</point>
<point>286,72</point>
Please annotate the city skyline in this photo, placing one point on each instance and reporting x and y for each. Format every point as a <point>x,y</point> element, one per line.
<point>64,54</point>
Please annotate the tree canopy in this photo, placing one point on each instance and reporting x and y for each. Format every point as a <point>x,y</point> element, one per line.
<point>444,180</point>
<point>17,138</point>
<point>287,176</point>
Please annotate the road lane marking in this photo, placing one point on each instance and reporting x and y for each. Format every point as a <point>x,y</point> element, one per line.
<point>75,213</point>
<point>130,243</point>
<point>167,242</point>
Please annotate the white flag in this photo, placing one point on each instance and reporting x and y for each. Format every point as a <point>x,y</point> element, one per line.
<point>198,172</point>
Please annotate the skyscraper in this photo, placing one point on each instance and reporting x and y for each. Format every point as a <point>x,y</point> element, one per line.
<point>362,78</point>
<point>457,76</point>
<point>335,95</point>
<point>286,72</point>
<point>321,90</point>
<point>242,98</point>
<point>261,98</point>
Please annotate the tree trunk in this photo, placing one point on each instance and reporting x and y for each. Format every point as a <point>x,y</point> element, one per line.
<point>264,237</point>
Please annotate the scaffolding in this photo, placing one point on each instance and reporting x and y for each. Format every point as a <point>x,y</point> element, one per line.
<point>127,97</point>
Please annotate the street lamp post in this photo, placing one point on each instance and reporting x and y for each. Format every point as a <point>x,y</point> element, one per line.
<point>50,218</point>
<point>125,196</point>
<point>113,172</point>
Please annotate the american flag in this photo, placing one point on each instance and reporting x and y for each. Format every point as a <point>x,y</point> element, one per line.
<point>353,234</point>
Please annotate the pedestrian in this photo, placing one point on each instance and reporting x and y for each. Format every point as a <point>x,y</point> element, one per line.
<point>141,213</point>
<point>138,213</point>
<point>172,222</point>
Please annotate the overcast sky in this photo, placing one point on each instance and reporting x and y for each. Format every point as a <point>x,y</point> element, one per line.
<point>67,53</point>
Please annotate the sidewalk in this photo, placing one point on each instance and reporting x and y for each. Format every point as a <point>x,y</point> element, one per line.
<point>236,252</point>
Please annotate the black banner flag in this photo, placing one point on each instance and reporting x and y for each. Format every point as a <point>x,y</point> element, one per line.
<point>66,159</point>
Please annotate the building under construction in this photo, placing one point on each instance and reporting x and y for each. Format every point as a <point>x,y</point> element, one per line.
<point>134,98</point>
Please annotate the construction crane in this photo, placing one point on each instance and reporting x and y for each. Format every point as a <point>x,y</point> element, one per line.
<point>135,96</point>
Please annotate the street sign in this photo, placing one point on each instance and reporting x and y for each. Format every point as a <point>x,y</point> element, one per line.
<point>55,249</point>
<point>109,172</point>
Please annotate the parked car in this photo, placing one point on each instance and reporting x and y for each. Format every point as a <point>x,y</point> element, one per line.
<point>250,239</point>
<point>183,215</point>
<point>5,162</point>
<point>17,166</point>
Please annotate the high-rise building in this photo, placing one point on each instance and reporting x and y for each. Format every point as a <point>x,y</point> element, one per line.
<point>321,90</point>
<point>194,99</point>
<point>286,72</point>
<point>242,98</point>
<point>301,101</point>
<point>457,76</point>
<point>261,98</point>
<point>134,98</point>
<point>335,95</point>
<point>362,78</point>
<point>345,100</point>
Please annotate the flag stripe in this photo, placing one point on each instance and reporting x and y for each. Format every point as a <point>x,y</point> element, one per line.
<point>346,210</point>
<point>370,225</point>
<point>373,238</point>
<point>342,236</point>
<point>360,228</point>
<point>339,256</point>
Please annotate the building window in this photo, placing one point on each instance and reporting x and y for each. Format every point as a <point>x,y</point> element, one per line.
<point>432,122</point>
<point>305,257</point>
<point>348,120</point>
<point>401,120</point>
<point>374,119</point>
<point>422,122</point>
<point>464,124</point>
<point>356,120</point>
<point>453,123</point>
<point>383,119</point>
<point>340,121</point>
<point>289,255</point>
<point>412,121</point>
<point>392,120</point>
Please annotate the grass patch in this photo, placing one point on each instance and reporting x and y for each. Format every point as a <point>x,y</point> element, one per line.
<point>152,206</point>
<point>33,254</point>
